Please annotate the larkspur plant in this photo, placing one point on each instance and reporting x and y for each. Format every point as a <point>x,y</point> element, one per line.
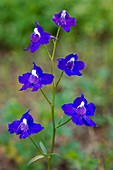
<point>79,111</point>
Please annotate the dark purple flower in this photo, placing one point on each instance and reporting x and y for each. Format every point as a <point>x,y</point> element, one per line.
<point>62,19</point>
<point>70,65</point>
<point>25,126</point>
<point>37,38</point>
<point>80,111</point>
<point>35,79</point>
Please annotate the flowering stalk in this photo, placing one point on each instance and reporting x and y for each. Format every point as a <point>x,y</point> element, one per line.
<point>79,111</point>
<point>53,98</point>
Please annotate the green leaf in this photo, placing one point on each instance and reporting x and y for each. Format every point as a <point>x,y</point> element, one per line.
<point>35,159</point>
<point>43,148</point>
<point>60,121</point>
<point>56,154</point>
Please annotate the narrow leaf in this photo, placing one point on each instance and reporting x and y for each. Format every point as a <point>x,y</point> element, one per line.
<point>56,154</point>
<point>35,159</point>
<point>43,148</point>
<point>60,121</point>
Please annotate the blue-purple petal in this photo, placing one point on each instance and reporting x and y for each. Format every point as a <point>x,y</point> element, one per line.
<point>36,128</point>
<point>34,46</point>
<point>61,63</point>
<point>25,135</point>
<point>68,57</point>
<point>68,109</point>
<point>68,72</point>
<point>56,17</point>
<point>78,101</point>
<point>24,78</point>
<point>88,122</point>
<point>79,65</point>
<point>12,128</point>
<point>90,109</point>
<point>34,37</point>
<point>46,79</point>
<point>33,80</point>
<point>66,28</point>
<point>71,22</point>
<point>76,72</point>
<point>26,86</point>
<point>45,38</point>
<point>39,71</point>
<point>40,29</point>
<point>77,120</point>
<point>28,117</point>
<point>36,87</point>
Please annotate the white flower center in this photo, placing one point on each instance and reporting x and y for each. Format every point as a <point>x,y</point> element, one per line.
<point>36,31</point>
<point>34,73</point>
<point>70,63</point>
<point>25,121</point>
<point>81,104</point>
<point>72,59</point>
<point>24,126</point>
<point>63,14</point>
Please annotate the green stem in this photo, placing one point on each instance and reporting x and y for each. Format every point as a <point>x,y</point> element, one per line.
<point>52,111</point>
<point>63,123</point>
<point>53,101</point>
<point>59,78</point>
<point>45,96</point>
<point>47,51</point>
<point>54,129</point>
<point>55,42</point>
<point>49,163</point>
<point>35,145</point>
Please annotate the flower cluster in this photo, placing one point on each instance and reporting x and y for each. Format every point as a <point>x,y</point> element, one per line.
<point>79,110</point>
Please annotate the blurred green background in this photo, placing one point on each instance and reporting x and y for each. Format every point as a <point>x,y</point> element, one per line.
<point>83,148</point>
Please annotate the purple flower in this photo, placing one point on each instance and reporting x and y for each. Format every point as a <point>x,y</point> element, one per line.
<point>37,38</point>
<point>70,65</point>
<point>80,111</point>
<point>35,79</point>
<point>25,126</point>
<point>62,19</point>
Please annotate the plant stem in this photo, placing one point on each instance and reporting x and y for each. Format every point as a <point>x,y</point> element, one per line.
<point>47,51</point>
<point>59,78</point>
<point>53,100</point>
<point>35,145</point>
<point>55,42</point>
<point>63,123</point>
<point>45,96</point>
<point>49,163</point>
